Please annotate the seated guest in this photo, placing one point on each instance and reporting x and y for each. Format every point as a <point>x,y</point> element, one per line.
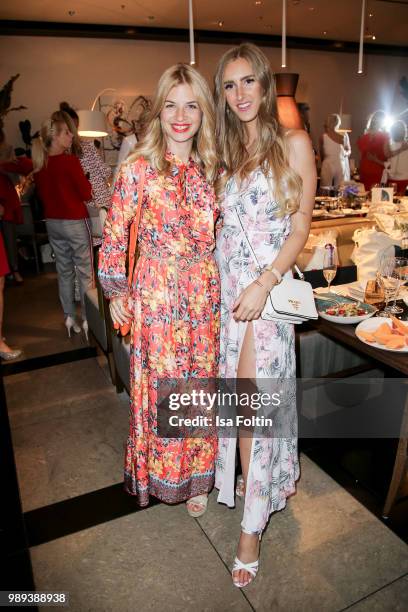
<point>334,152</point>
<point>63,189</point>
<point>398,164</point>
<point>6,352</point>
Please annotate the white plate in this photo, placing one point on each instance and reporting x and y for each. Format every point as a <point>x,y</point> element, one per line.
<point>371,326</point>
<point>346,320</point>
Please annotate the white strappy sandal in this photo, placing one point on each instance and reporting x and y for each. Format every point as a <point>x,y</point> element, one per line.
<point>251,567</point>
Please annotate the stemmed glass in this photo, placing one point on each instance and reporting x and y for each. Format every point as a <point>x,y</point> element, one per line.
<point>401,269</point>
<point>390,277</point>
<point>330,263</point>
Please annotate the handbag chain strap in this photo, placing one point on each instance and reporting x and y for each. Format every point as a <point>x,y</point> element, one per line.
<point>259,267</point>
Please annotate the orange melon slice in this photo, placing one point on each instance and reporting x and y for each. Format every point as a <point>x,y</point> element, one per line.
<point>366,336</point>
<point>399,325</point>
<point>384,328</point>
<point>396,343</point>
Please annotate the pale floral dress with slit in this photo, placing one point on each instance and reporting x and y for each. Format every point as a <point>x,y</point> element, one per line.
<point>274,466</point>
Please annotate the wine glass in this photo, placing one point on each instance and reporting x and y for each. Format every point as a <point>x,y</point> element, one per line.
<point>330,263</point>
<point>391,281</point>
<point>401,269</point>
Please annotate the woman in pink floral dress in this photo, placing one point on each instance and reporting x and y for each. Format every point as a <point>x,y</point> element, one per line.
<point>174,301</point>
<point>267,194</point>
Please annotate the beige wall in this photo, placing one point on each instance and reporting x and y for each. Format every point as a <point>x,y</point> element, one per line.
<point>75,69</point>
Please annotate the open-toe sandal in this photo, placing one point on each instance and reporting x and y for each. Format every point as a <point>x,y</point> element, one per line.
<point>200,501</point>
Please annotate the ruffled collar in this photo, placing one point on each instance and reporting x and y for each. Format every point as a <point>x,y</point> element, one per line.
<point>171,157</point>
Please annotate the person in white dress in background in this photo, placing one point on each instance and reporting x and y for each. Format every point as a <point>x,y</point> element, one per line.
<point>126,148</point>
<point>267,186</point>
<point>335,151</point>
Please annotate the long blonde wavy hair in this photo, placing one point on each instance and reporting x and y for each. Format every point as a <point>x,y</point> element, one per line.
<point>271,150</point>
<point>153,146</point>
<point>42,144</point>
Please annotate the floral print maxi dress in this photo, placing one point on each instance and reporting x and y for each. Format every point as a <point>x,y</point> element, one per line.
<point>175,331</point>
<point>274,467</point>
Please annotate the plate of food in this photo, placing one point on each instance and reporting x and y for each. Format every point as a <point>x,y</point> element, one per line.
<point>342,309</point>
<point>386,334</point>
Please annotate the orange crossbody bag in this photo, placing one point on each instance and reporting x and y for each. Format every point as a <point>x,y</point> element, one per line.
<point>133,234</point>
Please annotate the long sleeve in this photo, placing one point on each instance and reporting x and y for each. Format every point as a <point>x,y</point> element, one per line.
<point>21,165</point>
<point>112,254</point>
<point>99,172</point>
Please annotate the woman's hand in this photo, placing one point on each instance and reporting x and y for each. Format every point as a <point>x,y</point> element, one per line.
<point>250,303</point>
<point>118,307</point>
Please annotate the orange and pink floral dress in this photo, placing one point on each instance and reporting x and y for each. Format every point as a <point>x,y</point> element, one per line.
<point>175,331</point>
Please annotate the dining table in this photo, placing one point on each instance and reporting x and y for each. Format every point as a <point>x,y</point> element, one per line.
<point>397,364</point>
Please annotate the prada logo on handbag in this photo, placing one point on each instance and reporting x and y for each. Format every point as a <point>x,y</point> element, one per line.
<point>294,303</point>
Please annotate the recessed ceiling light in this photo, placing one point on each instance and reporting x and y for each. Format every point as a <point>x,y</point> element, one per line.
<point>220,24</point>
<point>325,32</point>
<point>373,37</point>
<point>371,15</point>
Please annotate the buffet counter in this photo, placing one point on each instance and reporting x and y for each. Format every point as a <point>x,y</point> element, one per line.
<point>343,228</point>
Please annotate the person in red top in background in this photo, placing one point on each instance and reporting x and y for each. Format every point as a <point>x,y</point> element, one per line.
<point>374,146</point>
<point>6,352</point>
<point>63,190</point>
<point>12,215</point>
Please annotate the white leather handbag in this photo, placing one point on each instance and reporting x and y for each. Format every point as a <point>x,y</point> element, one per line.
<point>291,300</point>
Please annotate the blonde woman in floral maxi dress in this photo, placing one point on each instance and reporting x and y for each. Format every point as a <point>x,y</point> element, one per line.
<point>267,192</point>
<point>174,301</point>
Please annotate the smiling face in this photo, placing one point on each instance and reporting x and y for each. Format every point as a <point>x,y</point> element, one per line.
<point>180,117</point>
<point>243,92</point>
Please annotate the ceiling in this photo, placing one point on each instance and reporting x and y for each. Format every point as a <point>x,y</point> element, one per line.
<point>387,20</point>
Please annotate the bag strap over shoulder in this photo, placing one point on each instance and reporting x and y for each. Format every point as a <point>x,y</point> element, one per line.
<point>134,228</point>
<point>254,257</point>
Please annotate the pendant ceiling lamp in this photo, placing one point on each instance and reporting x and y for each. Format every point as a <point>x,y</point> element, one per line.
<point>191,31</point>
<point>345,125</point>
<point>283,63</point>
<point>360,53</point>
<point>92,123</point>
<point>288,111</point>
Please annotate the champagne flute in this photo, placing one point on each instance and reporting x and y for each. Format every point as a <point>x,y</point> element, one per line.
<point>390,281</point>
<point>401,270</point>
<point>330,263</point>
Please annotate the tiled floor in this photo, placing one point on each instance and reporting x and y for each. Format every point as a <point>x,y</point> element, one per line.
<point>324,552</point>
<point>33,318</point>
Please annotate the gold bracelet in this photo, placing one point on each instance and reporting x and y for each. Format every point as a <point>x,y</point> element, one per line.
<point>258,282</point>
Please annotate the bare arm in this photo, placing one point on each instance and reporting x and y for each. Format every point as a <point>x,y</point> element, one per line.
<point>251,301</point>
<point>301,160</point>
